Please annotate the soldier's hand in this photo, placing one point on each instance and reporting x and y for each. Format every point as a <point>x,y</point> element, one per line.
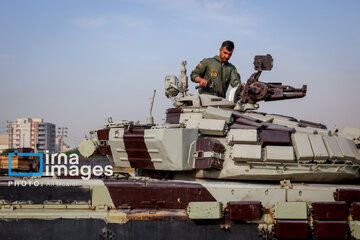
<point>203,82</point>
<point>209,84</point>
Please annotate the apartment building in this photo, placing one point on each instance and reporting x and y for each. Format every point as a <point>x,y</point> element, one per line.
<point>4,142</point>
<point>32,133</point>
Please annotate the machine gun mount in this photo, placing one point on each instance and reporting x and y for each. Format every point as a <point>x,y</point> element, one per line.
<point>247,96</point>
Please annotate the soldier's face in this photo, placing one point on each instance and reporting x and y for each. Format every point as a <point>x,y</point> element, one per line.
<point>225,54</point>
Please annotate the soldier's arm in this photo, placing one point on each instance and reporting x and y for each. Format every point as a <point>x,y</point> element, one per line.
<point>234,78</point>
<point>199,72</point>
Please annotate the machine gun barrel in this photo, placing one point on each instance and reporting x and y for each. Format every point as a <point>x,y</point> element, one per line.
<point>277,91</point>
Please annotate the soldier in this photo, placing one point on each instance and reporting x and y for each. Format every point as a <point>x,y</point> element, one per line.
<point>215,74</point>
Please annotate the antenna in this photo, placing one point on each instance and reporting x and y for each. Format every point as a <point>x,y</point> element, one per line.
<point>150,118</point>
<point>183,78</point>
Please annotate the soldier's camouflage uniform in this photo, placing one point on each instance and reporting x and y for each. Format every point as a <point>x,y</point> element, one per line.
<point>221,74</point>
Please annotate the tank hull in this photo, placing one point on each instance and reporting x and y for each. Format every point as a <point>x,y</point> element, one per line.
<point>141,208</point>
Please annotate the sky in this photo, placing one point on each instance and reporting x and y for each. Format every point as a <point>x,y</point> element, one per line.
<point>76,63</point>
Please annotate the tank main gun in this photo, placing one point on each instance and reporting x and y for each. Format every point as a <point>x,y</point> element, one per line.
<point>246,96</point>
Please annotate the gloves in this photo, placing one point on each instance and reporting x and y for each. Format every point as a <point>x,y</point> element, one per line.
<point>206,83</point>
<point>203,82</point>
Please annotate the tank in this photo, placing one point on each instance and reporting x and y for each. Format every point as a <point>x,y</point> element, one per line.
<point>215,169</point>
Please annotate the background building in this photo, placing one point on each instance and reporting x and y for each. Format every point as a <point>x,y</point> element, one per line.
<point>32,133</point>
<point>4,142</point>
<point>61,147</point>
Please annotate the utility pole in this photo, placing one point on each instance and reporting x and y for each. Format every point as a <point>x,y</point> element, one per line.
<point>62,131</point>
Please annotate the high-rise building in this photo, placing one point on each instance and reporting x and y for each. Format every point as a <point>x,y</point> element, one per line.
<point>32,133</point>
<point>4,142</point>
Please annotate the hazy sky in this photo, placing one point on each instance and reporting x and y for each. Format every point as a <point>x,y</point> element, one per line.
<point>75,63</point>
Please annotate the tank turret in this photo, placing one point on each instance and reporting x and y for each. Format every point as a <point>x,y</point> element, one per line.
<point>210,137</point>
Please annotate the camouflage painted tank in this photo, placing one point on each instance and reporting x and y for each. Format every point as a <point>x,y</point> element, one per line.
<point>211,171</point>
<point>214,138</point>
